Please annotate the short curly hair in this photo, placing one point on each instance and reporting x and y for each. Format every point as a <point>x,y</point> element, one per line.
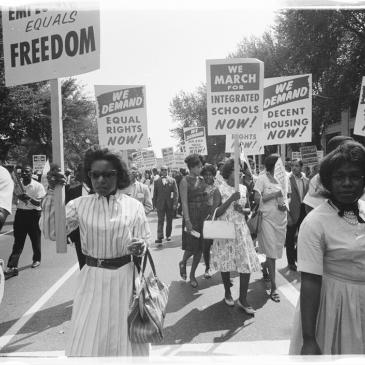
<point>194,160</point>
<point>349,152</point>
<point>97,153</point>
<point>228,167</point>
<point>208,168</point>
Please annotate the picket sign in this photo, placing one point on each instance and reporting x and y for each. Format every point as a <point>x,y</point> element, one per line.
<point>236,162</point>
<point>57,157</point>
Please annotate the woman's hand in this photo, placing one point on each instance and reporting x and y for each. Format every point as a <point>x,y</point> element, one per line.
<point>137,247</point>
<point>282,208</point>
<point>188,225</point>
<point>310,347</point>
<point>55,177</point>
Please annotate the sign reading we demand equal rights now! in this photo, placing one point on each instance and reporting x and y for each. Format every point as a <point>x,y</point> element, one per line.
<point>287,110</point>
<point>49,42</point>
<point>235,99</point>
<point>122,117</point>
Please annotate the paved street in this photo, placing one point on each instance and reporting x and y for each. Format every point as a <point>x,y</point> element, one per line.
<point>36,308</point>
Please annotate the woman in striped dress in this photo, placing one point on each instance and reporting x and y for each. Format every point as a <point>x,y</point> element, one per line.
<point>113,226</point>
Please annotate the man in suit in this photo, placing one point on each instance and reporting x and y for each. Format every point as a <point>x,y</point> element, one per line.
<point>299,187</point>
<point>165,200</point>
<point>139,191</point>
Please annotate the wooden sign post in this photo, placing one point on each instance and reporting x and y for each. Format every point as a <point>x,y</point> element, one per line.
<point>57,153</point>
<point>236,162</point>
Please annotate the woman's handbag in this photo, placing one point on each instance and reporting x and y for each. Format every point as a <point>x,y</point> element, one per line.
<point>148,308</point>
<point>254,223</point>
<point>218,229</point>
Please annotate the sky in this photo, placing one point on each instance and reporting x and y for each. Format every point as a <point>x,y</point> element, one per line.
<point>165,48</point>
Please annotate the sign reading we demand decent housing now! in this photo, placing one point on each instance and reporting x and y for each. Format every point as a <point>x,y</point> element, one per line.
<point>122,117</point>
<point>235,99</point>
<point>44,44</point>
<point>287,110</point>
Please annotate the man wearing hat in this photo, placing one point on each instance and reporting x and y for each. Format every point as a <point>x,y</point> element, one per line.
<point>165,200</point>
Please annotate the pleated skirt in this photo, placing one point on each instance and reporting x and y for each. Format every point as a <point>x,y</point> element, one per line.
<point>340,322</point>
<point>99,324</point>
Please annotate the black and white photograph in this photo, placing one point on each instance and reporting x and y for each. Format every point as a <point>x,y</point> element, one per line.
<point>182,181</point>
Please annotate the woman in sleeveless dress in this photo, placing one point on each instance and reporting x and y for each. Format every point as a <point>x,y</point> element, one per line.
<point>194,202</point>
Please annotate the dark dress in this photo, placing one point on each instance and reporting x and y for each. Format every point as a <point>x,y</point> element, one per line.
<point>198,211</point>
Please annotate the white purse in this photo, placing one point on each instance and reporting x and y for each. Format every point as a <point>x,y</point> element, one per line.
<point>218,229</point>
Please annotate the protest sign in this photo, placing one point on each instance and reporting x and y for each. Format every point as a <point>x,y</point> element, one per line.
<point>179,160</point>
<point>149,159</point>
<point>309,155</point>
<point>159,162</point>
<point>38,162</point>
<point>122,118</point>
<point>359,128</point>
<point>248,144</point>
<point>296,156</point>
<point>195,140</point>
<point>168,156</point>
<point>138,159</point>
<point>281,176</point>
<point>235,96</point>
<point>287,110</point>
<point>48,43</point>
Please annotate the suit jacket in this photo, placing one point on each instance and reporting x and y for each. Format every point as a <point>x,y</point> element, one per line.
<point>295,201</point>
<point>140,192</point>
<point>165,193</point>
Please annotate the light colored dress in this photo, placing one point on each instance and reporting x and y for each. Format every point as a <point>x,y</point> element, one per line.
<point>271,238</point>
<point>100,309</point>
<point>334,249</point>
<point>239,254</point>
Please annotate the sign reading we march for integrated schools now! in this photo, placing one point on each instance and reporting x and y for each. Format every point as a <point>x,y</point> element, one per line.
<point>43,44</point>
<point>235,98</point>
<point>195,140</point>
<point>122,117</point>
<point>359,128</point>
<point>287,110</point>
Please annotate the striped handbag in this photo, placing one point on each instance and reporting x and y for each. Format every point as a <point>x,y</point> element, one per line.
<point>148,308</point>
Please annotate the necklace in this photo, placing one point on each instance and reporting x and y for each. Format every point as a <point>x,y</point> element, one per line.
<point>348,216</point>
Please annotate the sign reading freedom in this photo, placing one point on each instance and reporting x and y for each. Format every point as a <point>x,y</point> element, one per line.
<point>44,44</point>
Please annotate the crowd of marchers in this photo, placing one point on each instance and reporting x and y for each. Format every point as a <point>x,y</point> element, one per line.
<point>318,220</point>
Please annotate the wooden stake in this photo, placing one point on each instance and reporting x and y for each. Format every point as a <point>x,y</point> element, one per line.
<point>236,161</point>
<point>57,153</point>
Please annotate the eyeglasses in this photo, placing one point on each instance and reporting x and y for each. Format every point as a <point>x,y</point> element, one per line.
<point>354,179</point>
<point>106,175</point>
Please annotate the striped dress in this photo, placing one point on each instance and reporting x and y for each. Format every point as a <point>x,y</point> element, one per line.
<point>102,298</point>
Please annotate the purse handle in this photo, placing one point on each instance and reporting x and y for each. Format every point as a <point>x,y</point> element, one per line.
<point>215,212</point>
<point>148,257</point>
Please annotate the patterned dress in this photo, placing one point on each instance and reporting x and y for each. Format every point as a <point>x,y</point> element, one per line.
<point>100,310</point>
<point>239,254</point>
<point>198,212</point>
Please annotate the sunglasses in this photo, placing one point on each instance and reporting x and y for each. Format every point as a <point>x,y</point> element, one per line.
<point>106,175</point>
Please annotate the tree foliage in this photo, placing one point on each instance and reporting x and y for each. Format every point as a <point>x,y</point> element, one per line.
<point>190,110</point>
<point>329,44</point>
<point>25,119</point>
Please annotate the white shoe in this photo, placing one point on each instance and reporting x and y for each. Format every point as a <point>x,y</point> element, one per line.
<point>248,310</point>
<point>229,301</point>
